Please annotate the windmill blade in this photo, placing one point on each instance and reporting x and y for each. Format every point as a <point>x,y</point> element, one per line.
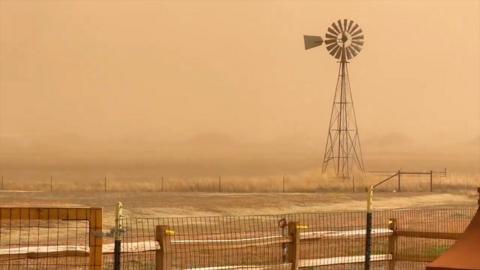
<point>358,37</point>
<point>330,29</point>
<point>358,48</point>
<point>349,26</point>
<point>352,51</point>
<point>330,41</point>
<point>345,21</point>
<point>357,32</point>
<point>330,36</point>
<point>336,28</point>
<point>312,41</point>
<point>339,53</point>
<point>349,55</point>
<point>335,49</point>
<point>331,46</point>
<point>354,28</point>
<point>340,25</point>
<point>357,42</point>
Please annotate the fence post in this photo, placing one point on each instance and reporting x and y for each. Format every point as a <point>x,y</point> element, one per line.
<point>162,259</point>
<point>392,243</point>
<point>293,250</point>
<point>398,185</point>
<point>431,181</point>
<point>368,233</point>
<point>117,235</point>
<point>95,238</point>
<point>219,184</point>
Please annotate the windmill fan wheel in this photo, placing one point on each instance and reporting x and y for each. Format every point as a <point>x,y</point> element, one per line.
<point>344,39</point>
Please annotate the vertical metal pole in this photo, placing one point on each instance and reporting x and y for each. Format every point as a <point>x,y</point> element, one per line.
<point>118,241</point>
<point>431,181</point>
<point>105,184</point>
<point>162,184</point>
<point>51,183</point>
<point>283,184</point>
<point>2,182</point>
<point>398,185</point>
<point>368,234</point>
<point>219,184</point>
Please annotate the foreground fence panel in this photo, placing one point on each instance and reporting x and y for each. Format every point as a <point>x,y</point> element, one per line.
<point>50,238</point>
<point>71,238</point>
<point>402,239</point>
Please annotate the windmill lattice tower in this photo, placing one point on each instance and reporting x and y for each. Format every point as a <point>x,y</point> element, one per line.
<point>344,40</point>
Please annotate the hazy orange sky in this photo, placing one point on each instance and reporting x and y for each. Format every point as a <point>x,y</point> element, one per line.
<point>139,74</point>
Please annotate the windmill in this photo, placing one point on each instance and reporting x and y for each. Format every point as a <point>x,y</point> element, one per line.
<point>344,40</point>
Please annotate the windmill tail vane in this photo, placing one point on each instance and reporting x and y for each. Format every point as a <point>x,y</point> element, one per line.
<point>343,153</point>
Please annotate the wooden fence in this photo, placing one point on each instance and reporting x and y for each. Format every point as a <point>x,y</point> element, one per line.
<point>17,220</point>
<point>166,242</point>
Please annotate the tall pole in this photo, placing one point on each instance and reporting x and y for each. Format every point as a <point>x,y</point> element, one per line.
<point>368,235</point>
<point>117,236</point>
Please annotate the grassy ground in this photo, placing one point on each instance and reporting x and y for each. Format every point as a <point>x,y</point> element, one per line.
<point>164,204</point>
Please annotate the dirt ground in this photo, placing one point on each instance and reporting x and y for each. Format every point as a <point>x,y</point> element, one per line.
<point>166,204</point>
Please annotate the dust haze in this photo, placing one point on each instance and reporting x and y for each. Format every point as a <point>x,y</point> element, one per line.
<point>226,87</point>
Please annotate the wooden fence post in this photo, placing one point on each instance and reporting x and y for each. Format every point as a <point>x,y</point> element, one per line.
<point>293,251</point>
<point>162,259</point>
<point>392,243</point>
<point>95,238</point>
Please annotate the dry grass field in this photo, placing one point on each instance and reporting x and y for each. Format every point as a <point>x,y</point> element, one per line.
<point>168,204</point>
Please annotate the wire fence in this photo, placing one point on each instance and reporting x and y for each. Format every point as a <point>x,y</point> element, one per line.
<point>325,240</point>
<point>50,238</point>
<point>72,238</point>
<point>405,181</point>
